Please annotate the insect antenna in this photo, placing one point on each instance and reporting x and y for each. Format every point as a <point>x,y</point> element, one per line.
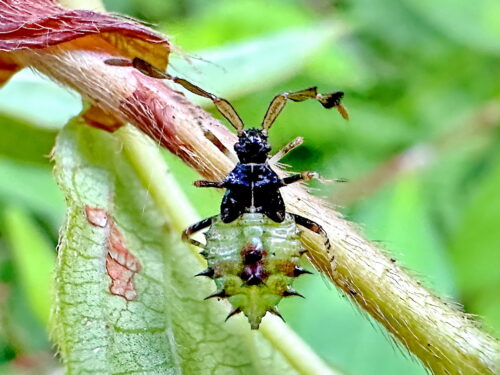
<point>331,100</point>
<point>223,106</point>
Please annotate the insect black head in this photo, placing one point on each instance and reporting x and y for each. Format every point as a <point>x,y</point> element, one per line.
<point>252,146</point>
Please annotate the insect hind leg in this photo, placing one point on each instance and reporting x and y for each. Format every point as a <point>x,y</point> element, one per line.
<point>192,229</point>
<point>313,227</point>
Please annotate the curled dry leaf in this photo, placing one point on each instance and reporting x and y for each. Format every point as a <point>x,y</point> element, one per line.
<point>38,24</point>
<point>41,24</point>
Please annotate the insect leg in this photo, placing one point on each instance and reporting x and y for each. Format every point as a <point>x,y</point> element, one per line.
<point>312,226</point>
<point>186,235</point>
<point>285,150</point>
<point>327,100</point>
<point>204,183</point>
<point>223,106</point>
<point>304,176</point>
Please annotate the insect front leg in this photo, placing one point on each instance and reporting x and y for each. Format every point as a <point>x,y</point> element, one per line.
<point>186,235</point>
<point>331,100</point>
<point>204,183</point>
<point>313,227</point>
<point>304,176</point>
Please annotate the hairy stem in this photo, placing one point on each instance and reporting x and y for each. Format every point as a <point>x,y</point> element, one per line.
<point>148,162</point>
<point>435,331</point>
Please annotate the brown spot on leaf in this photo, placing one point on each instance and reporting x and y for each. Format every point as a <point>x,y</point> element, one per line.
<point>96,216</point>
<point>121,265</point>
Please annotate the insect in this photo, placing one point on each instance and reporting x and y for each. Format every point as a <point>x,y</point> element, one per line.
<point>252,247</point>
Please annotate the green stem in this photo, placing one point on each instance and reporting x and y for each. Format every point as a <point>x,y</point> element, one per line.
<point>170,199</point>
<point>441,336</point>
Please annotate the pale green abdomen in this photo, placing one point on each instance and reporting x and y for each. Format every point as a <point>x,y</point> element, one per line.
<point>254,260</point>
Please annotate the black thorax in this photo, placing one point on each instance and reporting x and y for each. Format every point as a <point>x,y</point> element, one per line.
<point>252,186</point>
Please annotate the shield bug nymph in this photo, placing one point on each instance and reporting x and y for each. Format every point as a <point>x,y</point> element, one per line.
<point>252,247</point>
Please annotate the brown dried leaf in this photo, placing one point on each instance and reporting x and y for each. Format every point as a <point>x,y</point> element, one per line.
<point>38,24</point>
<point>98,118</point>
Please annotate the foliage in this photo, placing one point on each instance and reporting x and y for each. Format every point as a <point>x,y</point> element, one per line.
<point>420,81</point>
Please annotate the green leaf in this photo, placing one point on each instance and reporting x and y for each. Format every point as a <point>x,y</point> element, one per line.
<point>400,219</point>
<point>34,258</point>
<point>38,100</point>
<point>223,21</point>
<point>249,66</point>
<point>21,141</point>
<point>32,187</point>
<point>165,327</point>
<point>474,23</point>
<point>474,247</point>
<point>22,331</point>
<point>359,343</point>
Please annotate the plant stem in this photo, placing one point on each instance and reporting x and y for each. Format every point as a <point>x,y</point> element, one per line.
<point>170,199</point>
<point>434,330</point>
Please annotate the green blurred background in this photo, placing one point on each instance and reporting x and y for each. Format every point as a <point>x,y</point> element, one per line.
<point>421,152</point>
